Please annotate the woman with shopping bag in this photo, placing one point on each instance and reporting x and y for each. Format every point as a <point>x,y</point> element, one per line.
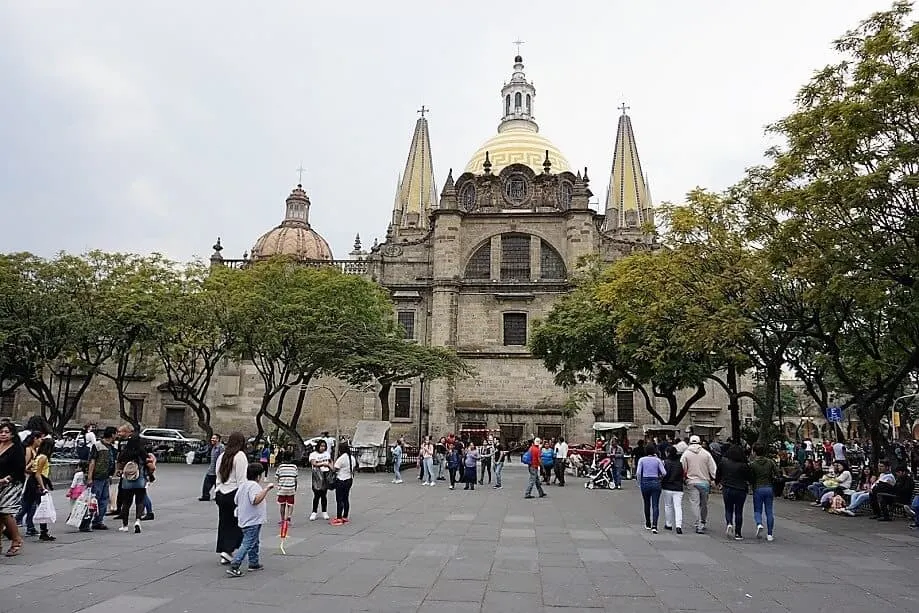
<point>44,512</point>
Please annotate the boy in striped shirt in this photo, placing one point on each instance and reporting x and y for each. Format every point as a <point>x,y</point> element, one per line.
<point>286,475</point>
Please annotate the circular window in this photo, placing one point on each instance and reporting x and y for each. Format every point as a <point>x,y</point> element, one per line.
<point>517,189</point>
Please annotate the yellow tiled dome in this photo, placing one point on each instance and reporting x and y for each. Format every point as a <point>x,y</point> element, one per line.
<point>517,144</point>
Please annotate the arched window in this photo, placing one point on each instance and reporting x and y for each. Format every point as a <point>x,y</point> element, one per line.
<point>507,105</point>
<point>551,267</point>
<point>518,101</point>
<point>479,266</point>
<point>515,257</point>
<point>529,105</point>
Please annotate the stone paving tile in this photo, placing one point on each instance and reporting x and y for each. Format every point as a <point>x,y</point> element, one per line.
<point>410,549</point>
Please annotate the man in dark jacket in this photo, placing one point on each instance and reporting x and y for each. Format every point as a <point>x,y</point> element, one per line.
<point>899,493</point>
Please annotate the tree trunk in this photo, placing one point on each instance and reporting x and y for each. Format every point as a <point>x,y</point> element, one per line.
<point>384,400</point>
<point>733,404</point>
<point>768,411</point>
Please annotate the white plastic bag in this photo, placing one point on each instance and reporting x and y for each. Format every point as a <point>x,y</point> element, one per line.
<point>46,513</point>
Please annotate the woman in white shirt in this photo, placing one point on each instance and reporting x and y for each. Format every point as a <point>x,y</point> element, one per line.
<point>231,473</point>
<point>321,462</point>
<point>344,468</point>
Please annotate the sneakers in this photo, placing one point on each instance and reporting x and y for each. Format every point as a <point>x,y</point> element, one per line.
<point>398,481</point>
<point>451,487</point>
<point>225,558</point>
<point>770,538</point>
<point>700,530</point>
<point>234,571</point>
<point>203,499</point>
<point>647,526</point>
<point>729,531</point>
<point>530,496</point>
<point>679,531</point>
<point>668,527</point>
<point>337,522</point>
<point>313,516</point>
<point>257,567</point>
<point>759,531</point>
<point>543,495</point>
<point>100,527</point>
<point>738,538</point>
<point>848,512</point>
<point>137,527</point>
<point>124,529</point>
<point>497,487</point>
<point>345,520</point>
<point>44,536</point>
<point>654,530</point>
<point>148,517</point>
<point>325,515</point>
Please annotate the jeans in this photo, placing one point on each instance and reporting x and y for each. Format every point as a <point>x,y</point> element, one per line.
<point>617,473</point>
<point>651,496</point>
<point>486,467</point>
<point>452,470</point>
<point>148,505</point>
<point>343,498</point>
<point>915,507</point>
<point>698,501</point>
<point>763,498</point>
<point>100,490</point>
<point>209,482</point>
<point>673,508</point>
<point>534,481</point>
<point>428,467</point>
<point>251,535</point>
<point>816,489</point>
<point>734,500</point>
<point>857,500</point>
<point>441,461</point>
<point>397,467</point>
<point>499,468</point>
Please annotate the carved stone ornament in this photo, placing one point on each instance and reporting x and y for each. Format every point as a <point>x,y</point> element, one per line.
<point>391,250</point>
<point>517,189</point>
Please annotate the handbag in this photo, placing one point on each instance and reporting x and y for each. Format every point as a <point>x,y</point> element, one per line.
<point>46,513</point>
<point>319,480</point>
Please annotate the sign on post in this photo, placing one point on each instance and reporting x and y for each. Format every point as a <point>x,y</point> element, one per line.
<point>834,414</point>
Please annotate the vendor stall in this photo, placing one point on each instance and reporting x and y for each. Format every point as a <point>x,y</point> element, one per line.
<point>368,443</point>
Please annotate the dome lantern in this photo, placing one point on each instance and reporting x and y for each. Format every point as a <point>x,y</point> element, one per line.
<point>293,237</point>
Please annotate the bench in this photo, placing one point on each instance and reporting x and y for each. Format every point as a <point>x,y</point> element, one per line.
<point>897,509</point>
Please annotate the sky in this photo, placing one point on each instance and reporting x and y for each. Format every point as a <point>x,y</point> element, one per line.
<point>159,129</point>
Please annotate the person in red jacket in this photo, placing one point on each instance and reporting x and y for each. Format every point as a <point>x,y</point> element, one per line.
<point>533,467</point>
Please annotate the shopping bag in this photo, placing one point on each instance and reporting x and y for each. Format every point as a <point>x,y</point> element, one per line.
<point>82,509</point>
<point>46,513</point>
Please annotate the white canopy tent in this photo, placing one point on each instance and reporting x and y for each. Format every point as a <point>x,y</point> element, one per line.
<point>368,442</point>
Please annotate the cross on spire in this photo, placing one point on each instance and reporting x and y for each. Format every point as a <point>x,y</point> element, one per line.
<point>423,110</point>
<point>300,172</point>
<point>518,42</point>
<point>623,108</point>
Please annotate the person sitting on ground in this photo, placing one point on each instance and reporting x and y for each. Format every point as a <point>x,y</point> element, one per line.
<point>842,478</point>
<point>837,503</point>
<point>811,474</point>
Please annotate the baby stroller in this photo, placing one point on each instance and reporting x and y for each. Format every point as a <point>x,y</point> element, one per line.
<point>601,476</point>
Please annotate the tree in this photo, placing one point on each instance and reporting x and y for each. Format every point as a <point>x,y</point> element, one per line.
<point>296,323</point>
<point>837,207</point>
<point>193,334</point>
<point>394,359</point>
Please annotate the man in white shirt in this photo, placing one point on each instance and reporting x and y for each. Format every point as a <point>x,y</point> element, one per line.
<point>561,461</point>
<point>839,451</point>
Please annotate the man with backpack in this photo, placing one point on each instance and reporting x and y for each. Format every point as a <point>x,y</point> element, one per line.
<point>101,468</point>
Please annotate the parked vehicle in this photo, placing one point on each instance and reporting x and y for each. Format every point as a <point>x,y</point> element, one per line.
<point>169,439</point>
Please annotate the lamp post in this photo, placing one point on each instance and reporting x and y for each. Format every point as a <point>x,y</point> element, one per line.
<point>420,407</point>
<point>893,410</point>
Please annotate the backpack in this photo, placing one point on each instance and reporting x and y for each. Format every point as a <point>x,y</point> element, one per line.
<point>104,465</point>
<point>526,458</point>
<point>82,448</point>
<point>131,471</point>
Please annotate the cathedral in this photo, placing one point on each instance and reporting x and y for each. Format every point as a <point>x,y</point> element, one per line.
<point>471,268</point>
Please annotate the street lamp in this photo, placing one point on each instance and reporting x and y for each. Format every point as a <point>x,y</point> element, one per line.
<point>420,407</point>
<point>893,410</point>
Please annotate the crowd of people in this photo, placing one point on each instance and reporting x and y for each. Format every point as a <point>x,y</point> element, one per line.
<point>115,460</point>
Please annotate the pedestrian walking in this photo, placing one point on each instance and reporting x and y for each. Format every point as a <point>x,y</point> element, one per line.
<point>252,513</point>
<point>533,459</point>
<point>210,477</point>
<point>735,478</point>
<point>132,469</point>
<point>344,471</point>
<point>287,475</point>
<point>397,453</point>
<point>99,474</point>
<point>672,491</point>
<point>699,469</point>
<point>232,471</point>
<point>321,464</point>
<point>500,458</point>
<point>470,459</point>
<point>650,472</point>
<point>561,461</point>
<point>765,472</point>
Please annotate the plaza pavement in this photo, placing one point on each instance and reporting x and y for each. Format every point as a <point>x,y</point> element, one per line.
<point>411,548</point>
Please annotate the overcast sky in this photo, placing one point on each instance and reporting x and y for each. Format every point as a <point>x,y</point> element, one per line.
<point>158,129</point>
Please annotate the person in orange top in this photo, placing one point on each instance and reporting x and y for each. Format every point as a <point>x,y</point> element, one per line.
<point>533,466</point>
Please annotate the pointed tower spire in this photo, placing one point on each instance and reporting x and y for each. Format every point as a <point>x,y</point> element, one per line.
<point>416,195</point>
<point>519,96</point>
<point>628,201</point>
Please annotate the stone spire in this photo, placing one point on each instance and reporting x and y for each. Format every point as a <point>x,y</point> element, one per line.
<point>628,199</point>
<point>416,196</point>
<point>518,97</point>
